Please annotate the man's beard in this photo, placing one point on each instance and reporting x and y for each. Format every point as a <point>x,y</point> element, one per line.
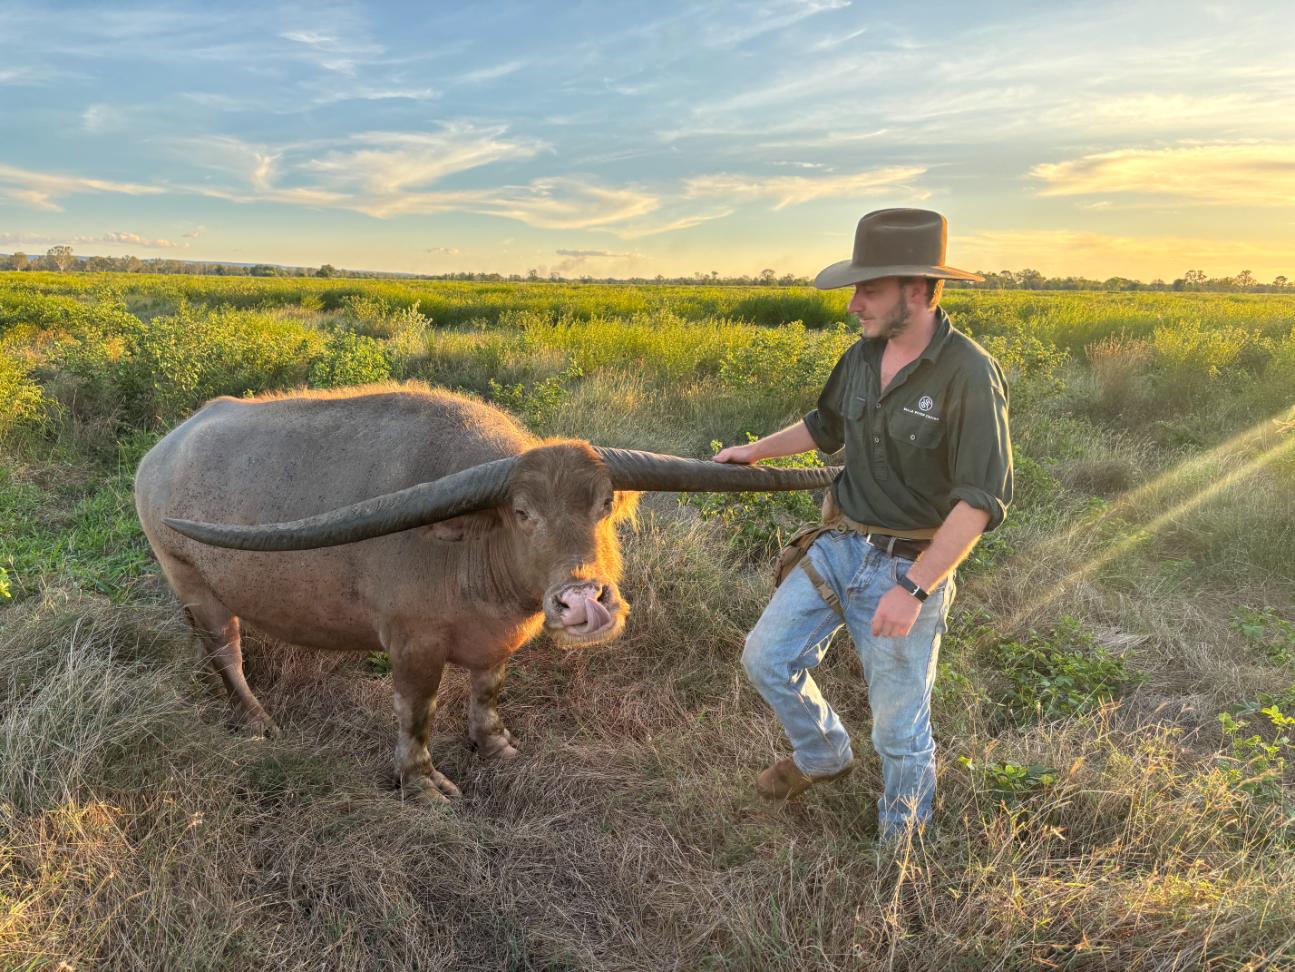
<point>895,322</point>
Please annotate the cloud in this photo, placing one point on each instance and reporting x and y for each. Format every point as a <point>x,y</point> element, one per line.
<point>584,254</point>
<point>1253,173</point>
<point>385,174</point>
<point>119,237</point>
<point>637,231</point>
<point>100,118</point>
<point>133,239</point>
<point>386,164</point>
<point>194,233</point>
<point>491,73</point>
<point>445,250</point>
<point>793,190</point>
<point>40,189</point>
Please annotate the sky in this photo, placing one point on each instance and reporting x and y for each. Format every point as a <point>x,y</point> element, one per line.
<point>1135,138</point>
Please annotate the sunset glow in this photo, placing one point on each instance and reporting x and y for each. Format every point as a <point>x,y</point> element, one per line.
<point>1138,140</point>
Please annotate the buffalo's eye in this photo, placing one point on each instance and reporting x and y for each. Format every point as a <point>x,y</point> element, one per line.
<point>522,514</point>
<point>607,505</point>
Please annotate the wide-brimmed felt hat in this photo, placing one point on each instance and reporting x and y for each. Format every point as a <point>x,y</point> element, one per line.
<point>895,243</point>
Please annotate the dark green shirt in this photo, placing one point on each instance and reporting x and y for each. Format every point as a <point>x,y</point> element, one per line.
<point>937,435</point>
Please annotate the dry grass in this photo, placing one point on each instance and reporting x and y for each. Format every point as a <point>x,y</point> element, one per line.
<point>139,831</point>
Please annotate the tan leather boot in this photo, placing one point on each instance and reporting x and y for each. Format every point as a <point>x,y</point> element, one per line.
<point>784,780</point>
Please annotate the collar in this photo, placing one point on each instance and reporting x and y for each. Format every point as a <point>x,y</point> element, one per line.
<point>939,339</point>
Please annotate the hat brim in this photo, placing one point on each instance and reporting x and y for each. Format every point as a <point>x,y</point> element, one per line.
<point>847,272</point>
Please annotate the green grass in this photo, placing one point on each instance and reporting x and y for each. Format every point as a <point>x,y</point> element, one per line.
<point>1112,706</point>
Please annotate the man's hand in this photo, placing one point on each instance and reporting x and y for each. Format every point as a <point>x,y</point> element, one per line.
<point>895,614</point>
<point>744,454</point>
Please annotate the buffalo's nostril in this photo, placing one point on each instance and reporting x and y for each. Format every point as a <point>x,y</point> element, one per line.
<point>605,595</point>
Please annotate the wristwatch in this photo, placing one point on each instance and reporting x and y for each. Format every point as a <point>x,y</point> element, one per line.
<point>913,589</point>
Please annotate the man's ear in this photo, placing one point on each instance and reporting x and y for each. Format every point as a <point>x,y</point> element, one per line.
<point>469,526</point>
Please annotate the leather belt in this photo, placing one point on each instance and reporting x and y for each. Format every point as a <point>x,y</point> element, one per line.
<point>897,546</point>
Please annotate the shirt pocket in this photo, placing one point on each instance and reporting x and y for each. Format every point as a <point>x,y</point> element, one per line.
<point>910,432</point>
<point>856,407</point>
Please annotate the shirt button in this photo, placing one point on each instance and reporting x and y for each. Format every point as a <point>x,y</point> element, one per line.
<point>876,438</point>
<point>913,437</point>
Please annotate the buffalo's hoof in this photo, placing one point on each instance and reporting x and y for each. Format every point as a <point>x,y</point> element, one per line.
<point>500,745</point>
<point>433,787</point>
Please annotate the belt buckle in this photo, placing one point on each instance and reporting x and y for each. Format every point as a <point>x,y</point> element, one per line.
<point>875,540</point>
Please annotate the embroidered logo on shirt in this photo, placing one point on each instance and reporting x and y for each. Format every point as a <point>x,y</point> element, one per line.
<point>926,403</point>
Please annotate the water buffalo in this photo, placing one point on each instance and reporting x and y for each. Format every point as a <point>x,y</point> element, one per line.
<point>407,519</point>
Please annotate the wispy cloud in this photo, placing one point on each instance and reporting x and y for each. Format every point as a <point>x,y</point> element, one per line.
<point>491,73</point>
<point>634,231</point>
<point>444,250</point>
<point>793,190</point>
<point>41,189</point>
<point>602,254</point>
<point>1244,173</point>
<point>114,238</point>
<point>387,174</point>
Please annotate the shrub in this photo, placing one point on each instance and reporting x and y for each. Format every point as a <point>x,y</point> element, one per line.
<point>21,399</point>
<point>350,359</point>
<point>1008,784</point>
<point>788,356</point>
<point>756,523</point>
<point>1257,766</point>
<point>1060,675</point>
<point>1267,631</point>
<point>541,401</point>
<point>158,372</point>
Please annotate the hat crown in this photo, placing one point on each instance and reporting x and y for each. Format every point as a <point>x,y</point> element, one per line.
<point>891,237</point>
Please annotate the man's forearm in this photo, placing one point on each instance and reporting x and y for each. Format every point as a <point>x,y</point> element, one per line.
<point>950,546</point>
<point>791,441</point>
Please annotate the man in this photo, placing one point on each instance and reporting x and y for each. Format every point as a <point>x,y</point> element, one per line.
<point>921,411</point>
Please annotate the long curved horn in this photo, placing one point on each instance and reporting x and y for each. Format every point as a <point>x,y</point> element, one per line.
<point>632,469</point>
<point>466,491</point>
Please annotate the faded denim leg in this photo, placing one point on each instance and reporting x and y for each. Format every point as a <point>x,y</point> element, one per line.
<point>900,673</point>
<point>791,638</point>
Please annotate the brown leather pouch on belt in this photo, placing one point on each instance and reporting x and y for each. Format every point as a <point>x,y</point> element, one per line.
<point>792,552</point>
<point>799,543</point>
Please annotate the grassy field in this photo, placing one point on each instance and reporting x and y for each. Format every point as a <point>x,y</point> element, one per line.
<point>1114,710</point>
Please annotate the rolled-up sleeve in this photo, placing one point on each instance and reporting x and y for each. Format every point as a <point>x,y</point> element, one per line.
<point>825,423</point>
<point>981,460</point>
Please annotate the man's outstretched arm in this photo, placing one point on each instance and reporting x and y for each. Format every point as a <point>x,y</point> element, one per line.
<point>791,441</point>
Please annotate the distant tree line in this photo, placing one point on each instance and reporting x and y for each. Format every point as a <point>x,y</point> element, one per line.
<point>62,259</point>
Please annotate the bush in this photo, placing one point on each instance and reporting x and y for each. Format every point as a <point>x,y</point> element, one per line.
<point>790,357</point>
<point>756,523</point>
<point>21,399</point>
<point>1060,675</point>
<point>158,372</point>
<point>350,359</point>
<point>1267,631</point>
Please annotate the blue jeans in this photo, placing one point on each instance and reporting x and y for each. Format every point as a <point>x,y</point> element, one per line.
<point>791,638</point>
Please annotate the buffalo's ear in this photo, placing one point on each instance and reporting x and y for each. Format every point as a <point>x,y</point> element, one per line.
<point>625,506</point>
<point>466,527</point>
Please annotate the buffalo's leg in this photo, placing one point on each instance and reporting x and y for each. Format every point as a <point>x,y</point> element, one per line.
<point>485,728</point>
<point>416,678</point>
<point>220,641</point>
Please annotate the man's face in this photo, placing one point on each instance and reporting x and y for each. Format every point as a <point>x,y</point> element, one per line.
<point>881,307</point>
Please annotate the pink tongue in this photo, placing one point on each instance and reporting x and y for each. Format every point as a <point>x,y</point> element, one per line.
<point>596,616</point>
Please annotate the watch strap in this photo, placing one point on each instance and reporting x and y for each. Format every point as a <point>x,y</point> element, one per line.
<point>912,588</point>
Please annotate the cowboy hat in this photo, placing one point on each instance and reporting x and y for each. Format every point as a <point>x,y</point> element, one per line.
<point>895,243</point>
